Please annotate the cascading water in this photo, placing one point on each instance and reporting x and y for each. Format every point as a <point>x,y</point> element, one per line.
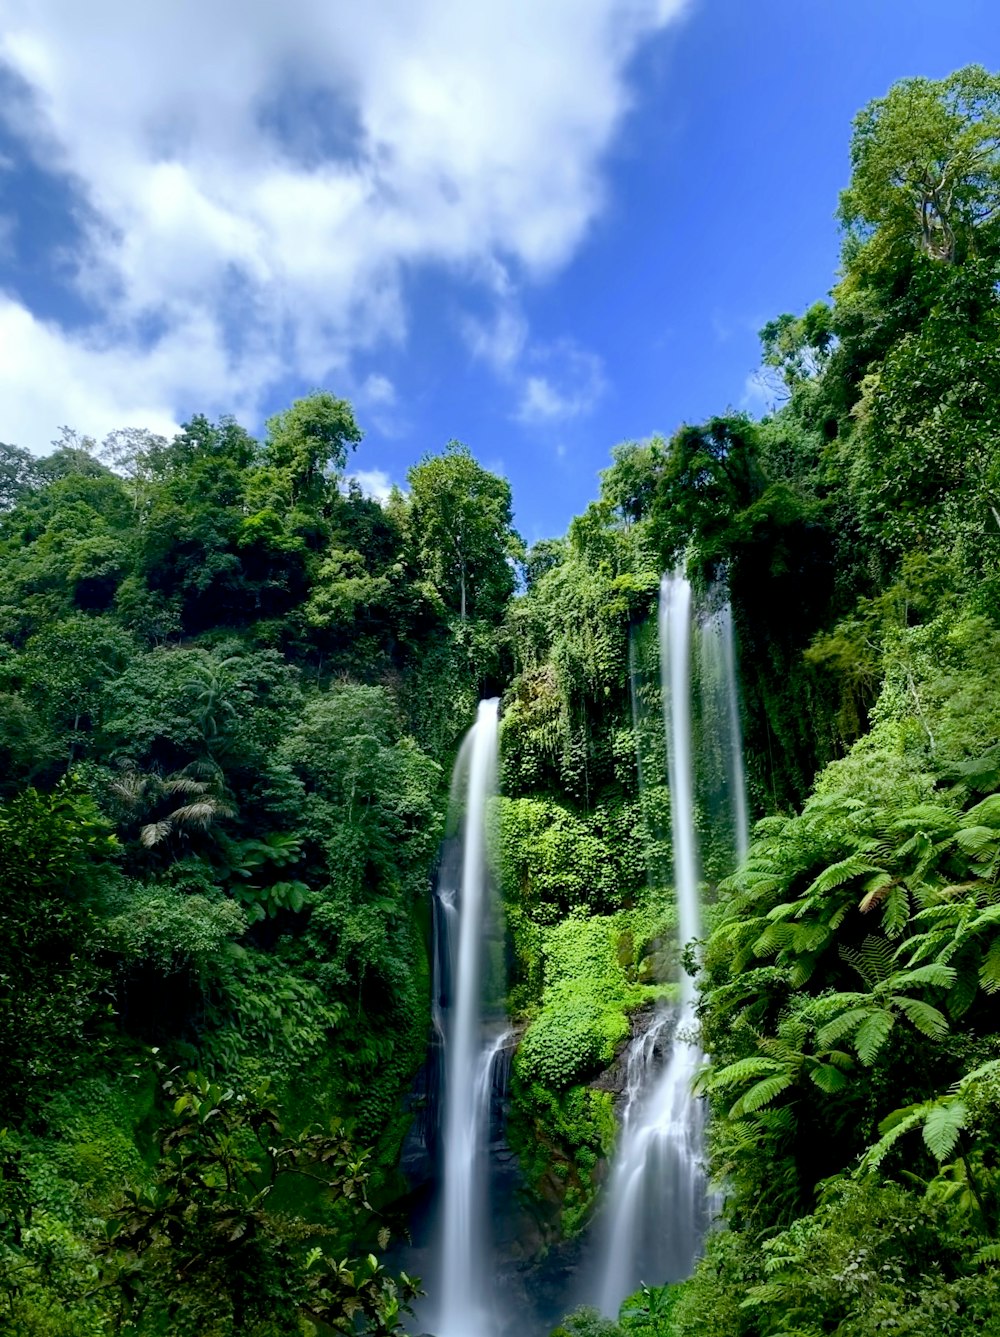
<point>658,1211</point>
<point>464,911</point>
<point>657,1205</point>
<point>720,708</point>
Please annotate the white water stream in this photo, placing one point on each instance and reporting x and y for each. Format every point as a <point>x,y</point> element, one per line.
<point>465,1281</point>
<point>721,713</point>
<point>657,1209</point>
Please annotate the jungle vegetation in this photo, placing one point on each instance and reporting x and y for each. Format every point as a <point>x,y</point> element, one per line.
<point>231,690</point>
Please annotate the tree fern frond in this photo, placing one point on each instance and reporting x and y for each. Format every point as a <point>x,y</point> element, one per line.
<point>802,969</point>
<point>839,873</point>
<point>962,994</point>
<point>896,914</point>
<point>835,1030</point>
<point>153,833</point>
<point>872,1034</point>
<point>986,813</point>
<point>873,960</point>
<point>761,1094</point>
<point>773,939</point>
<point>828,1078</point>
<point>742,1071</point>
<point>989,971</point>
<point>897,1125</point>
<point>934,975</point>
<point>875,890</point>
<point>927,1019</point>
<point>944,1122</point>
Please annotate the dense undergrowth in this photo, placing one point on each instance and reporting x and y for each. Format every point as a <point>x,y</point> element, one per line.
<point>231,688</point>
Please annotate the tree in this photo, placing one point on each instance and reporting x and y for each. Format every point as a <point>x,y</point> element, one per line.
<point>309,439</point>
<point>18,475</point>
<point>461,525</point>
<point>926,165</point>
<point>630,484</point>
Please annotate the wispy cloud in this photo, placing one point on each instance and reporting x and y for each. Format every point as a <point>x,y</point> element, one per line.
<point>566,383</point>
<point>552,382</point>
<point>763,392</point>
<point>258,179</point>
<point>377,389</point>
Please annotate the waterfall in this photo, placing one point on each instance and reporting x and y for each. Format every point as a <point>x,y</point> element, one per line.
<point>721,729</point>
<point>463,919</point>
<point>657,1209</point>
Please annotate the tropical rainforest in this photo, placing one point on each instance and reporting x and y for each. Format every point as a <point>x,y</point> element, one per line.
<point>232,688</point>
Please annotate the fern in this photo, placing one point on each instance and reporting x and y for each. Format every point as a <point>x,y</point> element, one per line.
<point>927,1019</point>
<point>872,1035</point>
<point>828,1078</point>
<point>896,1126</point>
<point>942,1126</point>
<point>846,1024</point>
<point>741,1071</point>
<point>896,914</point>
<point>761,1094</point>
<point>873,961</point>
<point>837,874</point>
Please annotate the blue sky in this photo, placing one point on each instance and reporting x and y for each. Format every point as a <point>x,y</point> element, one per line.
<point>540,228</point>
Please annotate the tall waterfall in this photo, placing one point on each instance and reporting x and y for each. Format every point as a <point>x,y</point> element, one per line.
<point>657,1208</point>
<point>720,711</point>
<point>464,913</point>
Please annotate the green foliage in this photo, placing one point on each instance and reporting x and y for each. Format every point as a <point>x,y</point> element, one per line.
<point>925,165</point>
<point>462,532</point>
<point>54,852</point>
<point>199,1250</point>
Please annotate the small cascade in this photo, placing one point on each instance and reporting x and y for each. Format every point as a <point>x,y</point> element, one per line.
<point>464,921</point>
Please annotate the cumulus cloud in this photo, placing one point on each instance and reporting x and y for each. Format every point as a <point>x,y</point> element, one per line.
<point>374,483</point>
<point>255,180</point>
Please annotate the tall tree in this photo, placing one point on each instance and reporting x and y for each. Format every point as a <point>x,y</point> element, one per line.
<point>309,439</point>
<point>926,164</point>
<point>462,528</point>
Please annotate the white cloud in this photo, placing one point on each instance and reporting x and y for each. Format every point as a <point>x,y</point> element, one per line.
<point>567,384</point>
<point>763,392</point>
<point>377,389</point>
<point>374,483</point>
<point>469,137</point>
<point>551,382</point>
<point>499,341</point>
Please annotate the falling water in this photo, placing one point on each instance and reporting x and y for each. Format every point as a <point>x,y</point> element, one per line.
<point>657,1205</point>
<point>721,730</point>
<point>464,1283</point>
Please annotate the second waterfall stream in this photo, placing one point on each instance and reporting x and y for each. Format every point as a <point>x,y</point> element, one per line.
<point>657,1208</point>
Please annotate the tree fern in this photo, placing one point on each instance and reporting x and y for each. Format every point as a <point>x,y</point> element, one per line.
<point>942,1126</point>
<point>761,1094</point>
<point>872,1034</point>
<point>840,873</point>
